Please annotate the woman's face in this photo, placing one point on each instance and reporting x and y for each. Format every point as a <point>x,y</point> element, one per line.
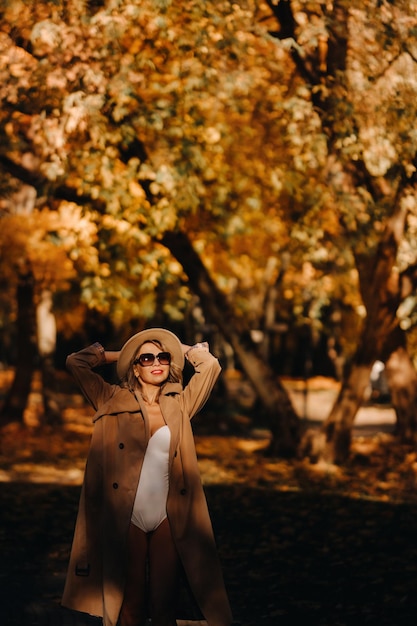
<point>154,373</point>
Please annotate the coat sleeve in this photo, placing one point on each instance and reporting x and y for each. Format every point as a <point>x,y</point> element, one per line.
<point>81,365</point>
<point>206,372</point>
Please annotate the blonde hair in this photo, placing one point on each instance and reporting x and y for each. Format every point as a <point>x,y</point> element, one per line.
<point>174,374</point>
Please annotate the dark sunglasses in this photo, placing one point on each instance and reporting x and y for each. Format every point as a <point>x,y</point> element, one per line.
<point>147,359</point>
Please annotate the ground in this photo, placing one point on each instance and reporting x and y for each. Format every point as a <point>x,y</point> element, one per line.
<point>299,543</point>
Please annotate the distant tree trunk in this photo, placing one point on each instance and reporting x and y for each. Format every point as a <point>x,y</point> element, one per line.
<point>402,382</point>
<point>17,397</point>
<point>283,421</point>
<point>46,326</point>
<point>268,323</point>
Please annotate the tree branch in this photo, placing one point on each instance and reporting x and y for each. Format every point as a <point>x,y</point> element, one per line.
<point>46,188</point>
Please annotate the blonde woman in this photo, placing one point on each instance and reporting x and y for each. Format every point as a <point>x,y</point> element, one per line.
<point>143,515</point>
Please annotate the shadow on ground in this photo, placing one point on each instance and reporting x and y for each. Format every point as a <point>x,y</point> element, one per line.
<point>289,557</point>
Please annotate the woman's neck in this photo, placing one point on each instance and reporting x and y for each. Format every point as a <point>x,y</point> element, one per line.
<point>150,393</point>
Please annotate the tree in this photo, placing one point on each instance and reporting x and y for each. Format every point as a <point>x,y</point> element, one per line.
<point>16,399</point>
<point>286,430</point>
<point>361,67</point>
<point>33,266</point>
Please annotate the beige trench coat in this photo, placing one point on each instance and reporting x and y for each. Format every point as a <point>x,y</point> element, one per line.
<point>96,573</point>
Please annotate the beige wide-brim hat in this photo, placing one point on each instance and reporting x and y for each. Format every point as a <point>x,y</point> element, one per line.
<point>165,337</point>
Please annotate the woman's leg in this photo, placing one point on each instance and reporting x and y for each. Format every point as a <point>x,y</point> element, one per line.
<point>164,572</point>
<point>133,611</point>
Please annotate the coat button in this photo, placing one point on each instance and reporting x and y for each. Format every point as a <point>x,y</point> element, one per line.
<point>183,492</point>
<point>115,485</point>
<point>121,446</point>
<point>175,453</point>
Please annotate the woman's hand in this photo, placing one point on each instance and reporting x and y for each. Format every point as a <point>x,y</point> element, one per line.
<point>202,345</point>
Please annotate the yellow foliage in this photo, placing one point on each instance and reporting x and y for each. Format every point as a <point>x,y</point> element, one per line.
<point>191,115</point>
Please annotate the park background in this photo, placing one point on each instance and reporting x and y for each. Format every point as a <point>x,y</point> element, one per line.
<point>243,173</point>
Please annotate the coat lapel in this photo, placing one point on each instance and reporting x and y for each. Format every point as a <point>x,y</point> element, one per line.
<point>126,403</point>
<point>172,413</point>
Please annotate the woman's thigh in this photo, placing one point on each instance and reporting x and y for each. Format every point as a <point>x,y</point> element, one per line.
<point>164,575</point>
<point>134,609</point>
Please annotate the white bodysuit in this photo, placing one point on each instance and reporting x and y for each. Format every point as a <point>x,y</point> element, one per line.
<point>149,509</point>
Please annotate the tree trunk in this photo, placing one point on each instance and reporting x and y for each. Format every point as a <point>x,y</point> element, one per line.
<point>338,426</point>
<point>46,326</point>
<point>283,421</point>
<point>402,382</point>
<point>380,288</point>
<point>17,397</point>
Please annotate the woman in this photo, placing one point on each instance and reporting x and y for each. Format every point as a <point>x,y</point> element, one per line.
<point>143,514</point>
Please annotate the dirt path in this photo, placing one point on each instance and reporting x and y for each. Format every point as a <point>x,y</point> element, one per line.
<point>288,557</point>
